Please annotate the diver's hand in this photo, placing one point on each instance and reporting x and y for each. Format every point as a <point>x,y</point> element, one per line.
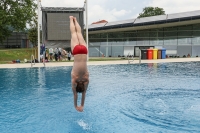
<point>79,108</point>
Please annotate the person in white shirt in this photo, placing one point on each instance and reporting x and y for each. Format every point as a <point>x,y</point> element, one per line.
<point>51,53</point>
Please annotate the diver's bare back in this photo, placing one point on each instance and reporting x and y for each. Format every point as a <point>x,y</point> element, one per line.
<point>79,69</point>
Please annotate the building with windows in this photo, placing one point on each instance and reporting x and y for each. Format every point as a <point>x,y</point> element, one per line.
<point>178,33</point>
<point>16,40</point>
<point>56,25</point>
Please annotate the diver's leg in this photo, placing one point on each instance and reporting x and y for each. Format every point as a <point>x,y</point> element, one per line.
<point>79,33</point>
<point>74,38</point>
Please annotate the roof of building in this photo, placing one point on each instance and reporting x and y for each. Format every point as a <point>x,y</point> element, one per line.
<point>99,22</point>
<point>153,20</point>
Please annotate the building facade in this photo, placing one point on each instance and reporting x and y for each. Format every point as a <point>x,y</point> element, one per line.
<point>16,40</point>
<point>56,25</point>
<point>178,33</point>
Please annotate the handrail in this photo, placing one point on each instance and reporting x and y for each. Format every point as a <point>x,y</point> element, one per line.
<point>44,60</point>
<point>131,58</point>
<point>140,57</point>
<point>32,57</point>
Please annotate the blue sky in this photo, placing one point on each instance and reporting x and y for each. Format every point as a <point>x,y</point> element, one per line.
<point>116,10</point>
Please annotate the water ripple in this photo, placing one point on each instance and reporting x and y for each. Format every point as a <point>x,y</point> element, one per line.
<point>162,97</point>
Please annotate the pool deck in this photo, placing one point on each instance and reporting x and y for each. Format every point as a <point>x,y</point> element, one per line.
<point>60,64</point>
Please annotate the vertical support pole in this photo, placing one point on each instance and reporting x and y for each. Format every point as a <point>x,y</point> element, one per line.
<point>140,57</point>
<point>86,3</point>
<point>192,41</point>
<point>107,46</point>
<point>38,26</point>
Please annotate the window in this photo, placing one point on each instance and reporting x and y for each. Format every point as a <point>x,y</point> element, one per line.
<point>170,36</point>
<point>156,37</point>
<point>94,36</point>
<point>185,35</point>
<point>196,34</point>
<point>143,37</point>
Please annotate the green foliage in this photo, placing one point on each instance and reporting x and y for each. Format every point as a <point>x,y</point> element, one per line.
<point>15,14</point>
<point>151,11</point>
<point>32,32</point>
<point>32,35</point>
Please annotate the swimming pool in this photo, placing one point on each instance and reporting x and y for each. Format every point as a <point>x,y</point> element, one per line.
<point>128,98</point>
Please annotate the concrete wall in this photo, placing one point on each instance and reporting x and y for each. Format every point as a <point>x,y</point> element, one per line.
<point>196,51</point>
<point>184,50</point>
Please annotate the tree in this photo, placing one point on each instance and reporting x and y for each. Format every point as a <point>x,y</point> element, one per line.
<point>32,31</point>
<point>15,14</point>
<point>151,11</point>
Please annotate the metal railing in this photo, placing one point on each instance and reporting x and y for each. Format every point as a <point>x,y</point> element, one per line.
<point>140,57</point>
<point>43,60</point>
<point>130,58</point>
<point>32,58</point>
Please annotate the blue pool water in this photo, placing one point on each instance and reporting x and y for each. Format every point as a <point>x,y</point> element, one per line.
<point>147,98</point>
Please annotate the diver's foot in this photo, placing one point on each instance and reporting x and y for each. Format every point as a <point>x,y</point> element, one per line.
<point>71,17</point>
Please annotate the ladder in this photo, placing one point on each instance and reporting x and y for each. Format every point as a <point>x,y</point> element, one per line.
<point>130,59</point>
<point>32,58</point>
<point>43,59</point>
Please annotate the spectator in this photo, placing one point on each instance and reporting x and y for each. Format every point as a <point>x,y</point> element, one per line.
<point>60,54</point>
<point>42,52</point>
<point>46,55</point>
<point>69,56</point>
<point>64,54</point>
<point>56,54</point>
<point>51,54</point>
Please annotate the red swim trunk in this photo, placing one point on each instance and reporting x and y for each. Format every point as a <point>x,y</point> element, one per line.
<point>79,49</point>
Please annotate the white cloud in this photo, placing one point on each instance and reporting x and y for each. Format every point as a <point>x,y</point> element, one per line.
<point>114,10</point>
<point>119,13</point>
<point>96,9</point>
<point>135,16</point>
<point>62,3</point>
<point>176,6</point>
<point>97,13</point>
